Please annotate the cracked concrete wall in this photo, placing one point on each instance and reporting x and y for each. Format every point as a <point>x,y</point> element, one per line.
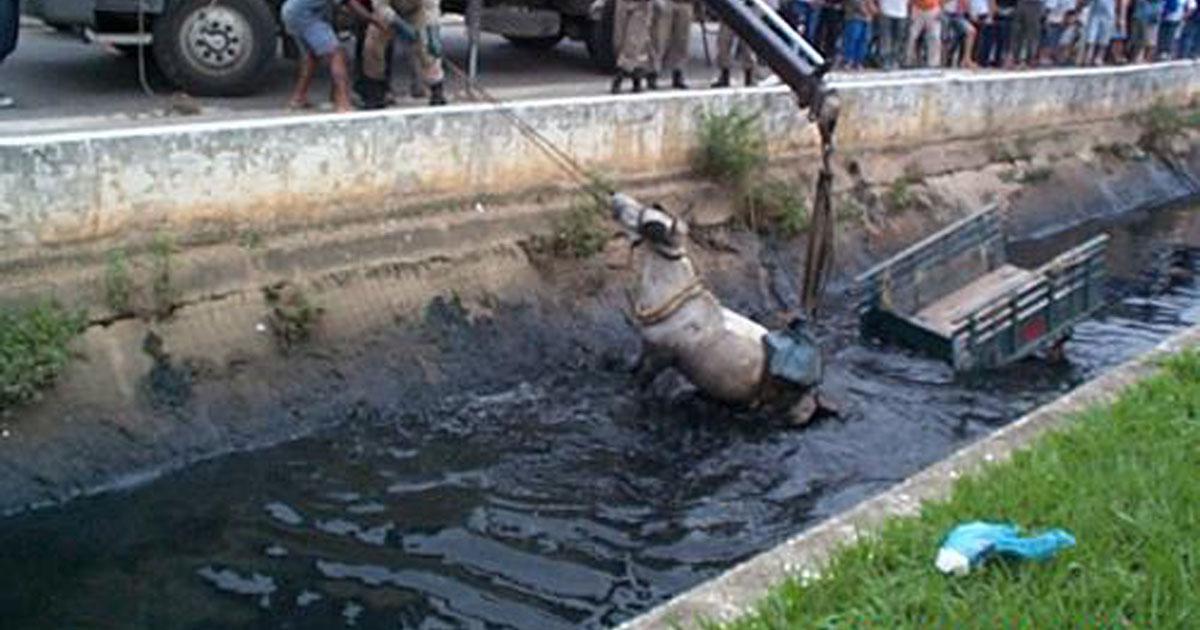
<point>65,188</point>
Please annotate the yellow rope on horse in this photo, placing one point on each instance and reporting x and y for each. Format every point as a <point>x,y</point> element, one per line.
<point>649,317</point>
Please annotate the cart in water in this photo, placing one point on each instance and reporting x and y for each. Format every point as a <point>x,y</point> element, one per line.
<point>955,296</point>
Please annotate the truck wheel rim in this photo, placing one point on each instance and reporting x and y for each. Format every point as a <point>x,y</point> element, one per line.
<point>216,39</point>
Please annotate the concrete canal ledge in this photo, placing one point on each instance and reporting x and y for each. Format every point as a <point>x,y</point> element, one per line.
<point>71,188</point>
<point>738,590</point>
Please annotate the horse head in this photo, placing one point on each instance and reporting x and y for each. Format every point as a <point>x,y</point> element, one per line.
<point>652,224</point>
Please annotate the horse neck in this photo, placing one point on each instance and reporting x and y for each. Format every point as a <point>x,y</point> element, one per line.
<point>663,278</point>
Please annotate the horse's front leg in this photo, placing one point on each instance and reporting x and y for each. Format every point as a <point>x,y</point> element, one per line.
<point>649,364</point>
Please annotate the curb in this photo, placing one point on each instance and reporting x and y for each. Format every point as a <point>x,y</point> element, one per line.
<point>736,591</point>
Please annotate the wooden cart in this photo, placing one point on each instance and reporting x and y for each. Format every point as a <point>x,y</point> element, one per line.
<point>955,296</point>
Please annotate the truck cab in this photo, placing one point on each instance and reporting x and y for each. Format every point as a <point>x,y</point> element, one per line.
<point>223,47</point>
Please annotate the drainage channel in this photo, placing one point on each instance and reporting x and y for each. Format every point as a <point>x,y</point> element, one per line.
<point>562,502</point>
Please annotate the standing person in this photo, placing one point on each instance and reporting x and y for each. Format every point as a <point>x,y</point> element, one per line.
<point>1098,33</point>
<point>10,29</point>
<point>309,22</point>
<point>730,49</point>
<point>927,21</point>
<point>829,28</point>
<point>960,51</point>
<point>674,34</point>
<point>1056,18</point>
<point>804,16</point>
<point>857,32</point>
<point>374,67</point>
<point>983,16</point>
<point>1026,33</point>
<point>1143,31</point>
<point>1168,31</point>
<point>1005,16</point>
<point>1189,42</point>
<point>631,41</point>
<point>893,18</point>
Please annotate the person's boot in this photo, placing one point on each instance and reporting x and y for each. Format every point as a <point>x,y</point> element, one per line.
<point>637,82</point>
<point>373,94</point>
<point>751,80</point>
<point>437,94</point>
<point>616,82</point>
<point>677,81</point>
<point>652,81</point>
<point>722,80</point>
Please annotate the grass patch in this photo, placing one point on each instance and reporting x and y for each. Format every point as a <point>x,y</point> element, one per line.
<point>733,152</point>
<point>1123,479</point>
<point>163,290</point>
<point>1162,123</point>
<point>732,146</point>
<point>33,350</point>
<point>293,317</point>
<point>778,203</point>
<point>580,233</point>
<point>118,283</point>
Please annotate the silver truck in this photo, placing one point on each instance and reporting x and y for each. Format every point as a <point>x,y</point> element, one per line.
<point>223,47</point>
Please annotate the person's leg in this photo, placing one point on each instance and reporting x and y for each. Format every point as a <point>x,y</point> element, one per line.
<point>340,75</point>
<point>724,55</point>
<point>970,36</point>
<point>931,26</point>
<point>914,31</point>
<point>10,30</point>
<point>308,67</point>
<point>680,42</point>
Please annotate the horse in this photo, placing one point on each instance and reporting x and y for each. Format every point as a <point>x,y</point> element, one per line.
<point>728,356</point>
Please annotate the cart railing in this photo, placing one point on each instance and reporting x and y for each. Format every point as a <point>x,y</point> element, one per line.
<point>903,274</point>
<point>1020,321</point>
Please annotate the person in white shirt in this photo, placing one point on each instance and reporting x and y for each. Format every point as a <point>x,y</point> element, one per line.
<point>1056,16</point>
<point>893,23</point>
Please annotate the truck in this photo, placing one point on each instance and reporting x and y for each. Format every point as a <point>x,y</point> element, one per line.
<point>224,47</point>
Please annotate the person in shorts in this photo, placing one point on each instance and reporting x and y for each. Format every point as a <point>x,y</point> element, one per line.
<point>1099,30</point>
<point>310,23</point>
<point>1143,31</point>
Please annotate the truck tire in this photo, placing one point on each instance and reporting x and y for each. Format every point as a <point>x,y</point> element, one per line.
<point>600,38</point>
<point>215,47</point>
<point>534,43</point>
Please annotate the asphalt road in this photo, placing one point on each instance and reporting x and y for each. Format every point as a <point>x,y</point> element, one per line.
<point>62,83</point>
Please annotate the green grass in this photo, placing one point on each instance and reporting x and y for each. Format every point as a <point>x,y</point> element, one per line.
<point>772,201</point>
<point>33,350</point>
<point>1124,479</point>
<point>732,146</point>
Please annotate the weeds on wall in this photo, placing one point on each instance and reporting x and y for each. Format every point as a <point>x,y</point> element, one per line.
<point>163,290</point>
<point>1162,123</point>
<point>293,317</point>
<point>118,283</point>
<point>34,350</point>
<point>733,152</point>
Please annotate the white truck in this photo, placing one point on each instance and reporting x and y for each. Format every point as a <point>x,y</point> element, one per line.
<point>223,47</point>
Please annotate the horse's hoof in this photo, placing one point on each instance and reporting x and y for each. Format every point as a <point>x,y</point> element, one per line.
<point>828,406</point>
<point>804,410</point>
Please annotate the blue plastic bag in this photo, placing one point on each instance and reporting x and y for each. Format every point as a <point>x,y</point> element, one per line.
<point>970,544</point>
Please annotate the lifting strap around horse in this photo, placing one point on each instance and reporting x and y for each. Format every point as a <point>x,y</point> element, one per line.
<point>651,316</point>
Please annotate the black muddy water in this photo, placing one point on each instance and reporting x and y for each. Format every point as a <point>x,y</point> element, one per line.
<point>564,501</point>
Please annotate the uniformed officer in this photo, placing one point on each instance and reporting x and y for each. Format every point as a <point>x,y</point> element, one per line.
<point>425,34</point>
<point>632,43</point>
<point>672,37</point>
<point>729,50</point>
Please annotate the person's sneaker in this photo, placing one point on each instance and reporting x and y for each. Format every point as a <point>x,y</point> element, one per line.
<point>7,101</point>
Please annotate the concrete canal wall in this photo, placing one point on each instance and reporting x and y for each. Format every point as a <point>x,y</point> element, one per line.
<point>69,188</point>
<point>374,216</point>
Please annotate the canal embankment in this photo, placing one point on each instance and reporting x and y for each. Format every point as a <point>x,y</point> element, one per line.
<point>279,272</point>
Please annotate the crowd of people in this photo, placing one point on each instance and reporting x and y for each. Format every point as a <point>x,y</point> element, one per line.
<point>890,34</point>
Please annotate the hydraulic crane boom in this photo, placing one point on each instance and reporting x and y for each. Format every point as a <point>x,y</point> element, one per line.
<point>802,68</point>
